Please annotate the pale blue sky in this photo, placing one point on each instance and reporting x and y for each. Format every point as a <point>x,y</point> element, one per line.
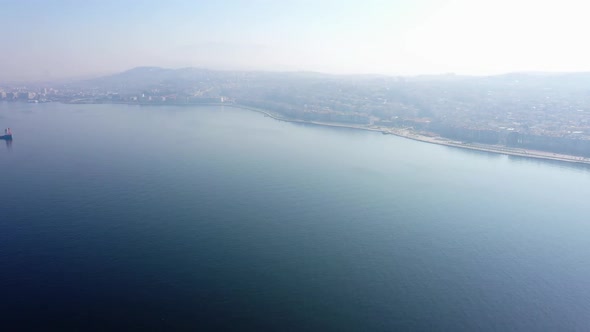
<point>65,38</point>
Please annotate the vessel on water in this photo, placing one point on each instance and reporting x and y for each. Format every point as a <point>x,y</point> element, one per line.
<point>7,134</point>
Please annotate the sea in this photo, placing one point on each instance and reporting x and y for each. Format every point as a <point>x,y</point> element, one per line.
<point>126,217</point>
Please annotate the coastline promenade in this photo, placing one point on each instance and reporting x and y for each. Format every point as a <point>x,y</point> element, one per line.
<point>406,133</point>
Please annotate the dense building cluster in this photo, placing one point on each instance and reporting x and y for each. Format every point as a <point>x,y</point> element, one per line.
<point>538,111</point>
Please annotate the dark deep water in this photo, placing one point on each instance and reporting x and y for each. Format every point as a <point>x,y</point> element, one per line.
<point>124,217</point>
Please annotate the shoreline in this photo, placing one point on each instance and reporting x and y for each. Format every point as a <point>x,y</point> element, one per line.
<point>438,140</point>
<point>406,133</point>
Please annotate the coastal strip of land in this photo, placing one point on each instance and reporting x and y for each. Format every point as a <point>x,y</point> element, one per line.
<point>411,134</point>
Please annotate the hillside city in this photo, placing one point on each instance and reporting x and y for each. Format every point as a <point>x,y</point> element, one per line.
<point>547,112</point>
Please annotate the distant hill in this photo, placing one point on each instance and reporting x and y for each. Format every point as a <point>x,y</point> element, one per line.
<point>148,77</point>
<point>145,77</point>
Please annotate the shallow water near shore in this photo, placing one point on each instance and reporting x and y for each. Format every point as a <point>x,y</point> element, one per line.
<point>116,216</point>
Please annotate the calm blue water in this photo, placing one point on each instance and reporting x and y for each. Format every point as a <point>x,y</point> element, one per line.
<point>125,217</point>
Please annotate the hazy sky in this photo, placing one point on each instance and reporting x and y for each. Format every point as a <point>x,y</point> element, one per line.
<point>64,38</point>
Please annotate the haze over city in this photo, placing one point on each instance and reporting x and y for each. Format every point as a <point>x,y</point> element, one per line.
<point>45,40</point>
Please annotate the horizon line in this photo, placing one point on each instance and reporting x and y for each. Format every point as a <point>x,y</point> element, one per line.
<point>86,77</point>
